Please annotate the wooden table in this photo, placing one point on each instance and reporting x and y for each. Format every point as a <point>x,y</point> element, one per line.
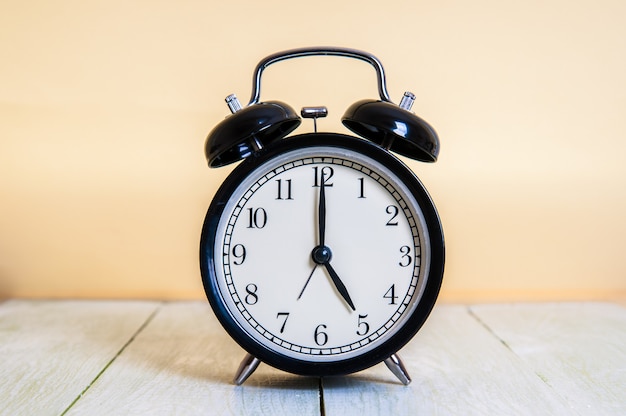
<point>173,358</point>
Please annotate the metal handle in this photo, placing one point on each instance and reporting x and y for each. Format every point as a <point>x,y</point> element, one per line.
<point>318,51</point>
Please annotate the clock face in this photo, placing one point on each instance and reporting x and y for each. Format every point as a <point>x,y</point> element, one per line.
<point>322,254</point>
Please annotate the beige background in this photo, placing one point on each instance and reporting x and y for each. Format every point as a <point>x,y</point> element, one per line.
<point>104,107</point>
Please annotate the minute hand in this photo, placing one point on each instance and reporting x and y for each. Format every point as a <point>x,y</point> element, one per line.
<point>321,212</point>
<point>339,284</point>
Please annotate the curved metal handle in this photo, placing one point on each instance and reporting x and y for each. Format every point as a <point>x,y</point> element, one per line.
<point>318,51</point>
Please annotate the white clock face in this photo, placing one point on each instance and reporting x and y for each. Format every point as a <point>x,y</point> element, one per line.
<point>317,300</point>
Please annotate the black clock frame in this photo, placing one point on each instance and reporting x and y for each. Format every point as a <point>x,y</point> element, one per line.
<point>369,358</point>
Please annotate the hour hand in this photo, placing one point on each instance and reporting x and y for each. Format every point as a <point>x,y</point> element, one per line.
<point>339,285</point>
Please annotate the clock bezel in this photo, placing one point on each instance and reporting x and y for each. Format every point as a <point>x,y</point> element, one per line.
<point>412,323</point>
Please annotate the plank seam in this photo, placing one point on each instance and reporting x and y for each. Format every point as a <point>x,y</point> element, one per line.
<point>488,328</point>
<point>321,394</point>
<point>538,375</point>
<point>121,350</point>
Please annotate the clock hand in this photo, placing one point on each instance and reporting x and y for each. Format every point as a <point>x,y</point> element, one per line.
<point>322,212</point>
<point>321,227</point>
<point>322,255</point>
<point>339,284</point>
<point>307,282</point>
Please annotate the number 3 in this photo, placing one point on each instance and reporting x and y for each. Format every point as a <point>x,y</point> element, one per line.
<point>406,259</point>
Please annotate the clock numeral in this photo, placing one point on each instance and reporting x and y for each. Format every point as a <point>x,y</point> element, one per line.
<point>239,253</point>
<point>361,188</point>
<point>321,337</point>
<point>285,316</point>
<point>257,218</point>
<point>393,211</point>
<point>284,189</point>
<point>391,295</point>
<point>251,298</point>
<point>323,176</point>
<point>364,327</point>
<point>406,258</point>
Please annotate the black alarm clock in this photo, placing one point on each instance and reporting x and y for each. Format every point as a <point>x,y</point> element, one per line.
<point>321,253</point>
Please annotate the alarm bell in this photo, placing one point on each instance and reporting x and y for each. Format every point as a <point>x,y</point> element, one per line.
<point>394,128</point>
<point>248,129</point>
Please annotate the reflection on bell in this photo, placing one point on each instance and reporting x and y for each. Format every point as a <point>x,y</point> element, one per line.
<point>394,128</point>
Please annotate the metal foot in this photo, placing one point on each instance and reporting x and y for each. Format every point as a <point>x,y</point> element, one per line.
<point>246,368</point>
<point>394,363</point>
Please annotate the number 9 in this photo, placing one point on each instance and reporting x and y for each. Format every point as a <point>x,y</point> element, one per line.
<point>239,253</point>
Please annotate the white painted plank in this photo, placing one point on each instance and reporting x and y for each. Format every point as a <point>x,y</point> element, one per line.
<point>183,363</point>
<point>51,351</point>
<point>579,349</point>
<point>457,367</point>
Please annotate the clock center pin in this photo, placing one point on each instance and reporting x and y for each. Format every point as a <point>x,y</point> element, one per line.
<point>321,255</point>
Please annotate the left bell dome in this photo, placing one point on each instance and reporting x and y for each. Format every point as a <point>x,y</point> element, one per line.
<point>248,130</point>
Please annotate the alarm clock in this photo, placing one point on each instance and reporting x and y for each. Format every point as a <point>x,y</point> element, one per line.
<point>321,253</point>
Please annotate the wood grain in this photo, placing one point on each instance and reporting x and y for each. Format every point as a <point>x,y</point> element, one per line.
<point>183,363</point>
<point>52,351</point>
<point>578,349</point>
<point>458,368</point>
<point>173,358</point>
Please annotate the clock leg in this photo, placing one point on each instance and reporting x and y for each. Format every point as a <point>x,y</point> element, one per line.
<point>394,363</point>
<point>246,368</point>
